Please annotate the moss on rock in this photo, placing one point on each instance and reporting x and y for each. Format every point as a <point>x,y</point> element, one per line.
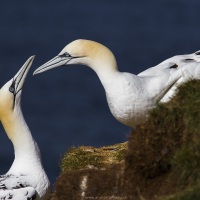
<point>162,161</point>
<point>167,146</point>
<point>84,157</point>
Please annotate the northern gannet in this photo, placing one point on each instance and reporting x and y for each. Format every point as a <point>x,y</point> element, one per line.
<point>26,178</point>
<point>186,66</point>
<point>129,96</point>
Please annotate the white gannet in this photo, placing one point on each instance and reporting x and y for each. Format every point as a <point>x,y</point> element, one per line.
<point>186,66</point>
<point>129,96</point>
<point>26,178</point>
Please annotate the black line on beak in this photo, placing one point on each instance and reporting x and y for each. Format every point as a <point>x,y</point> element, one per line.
<point>55,63</point>
<point>16,84</point>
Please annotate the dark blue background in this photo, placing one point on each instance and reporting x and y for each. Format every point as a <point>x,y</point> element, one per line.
<point>66,106</point>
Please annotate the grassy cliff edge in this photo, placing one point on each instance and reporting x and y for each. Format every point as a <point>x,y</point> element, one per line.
<point>161,160</point>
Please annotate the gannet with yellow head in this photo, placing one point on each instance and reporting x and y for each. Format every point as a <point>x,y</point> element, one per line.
<point>26,178</point>
<point>129,96</point>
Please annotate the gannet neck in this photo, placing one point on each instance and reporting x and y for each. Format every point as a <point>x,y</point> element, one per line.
<point>27,155</point>
<point>26,178</point>
<point>94,55</point>
<point>12,118</point>
<point>18,132</point>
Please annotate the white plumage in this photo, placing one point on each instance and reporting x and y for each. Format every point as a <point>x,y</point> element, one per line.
<point>26,178</point>
<point>129,96</point>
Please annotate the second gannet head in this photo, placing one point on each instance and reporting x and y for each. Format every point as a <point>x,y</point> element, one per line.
<point>84,52</point>
<point>10,97</point>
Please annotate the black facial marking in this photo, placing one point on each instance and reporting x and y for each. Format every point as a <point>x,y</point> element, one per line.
<point>50,62</point>
<point>197,53</point>
<point>173,66</point>
<point>12,87</point>
<point>64,55</point>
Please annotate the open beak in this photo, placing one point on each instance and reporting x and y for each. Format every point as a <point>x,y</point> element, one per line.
<point>20,77</point>
<point>55,62</point>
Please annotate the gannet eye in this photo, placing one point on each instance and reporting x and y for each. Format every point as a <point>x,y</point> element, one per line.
<point>11,89</point>
<point>197,53</point>
<point>65,55</point>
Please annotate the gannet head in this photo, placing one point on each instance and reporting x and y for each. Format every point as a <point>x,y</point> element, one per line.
<point>10,93</point>
<point>84,52</point>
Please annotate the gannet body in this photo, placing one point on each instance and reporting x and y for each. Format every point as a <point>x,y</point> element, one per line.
<point>26,178</point>
<point>129,96</point>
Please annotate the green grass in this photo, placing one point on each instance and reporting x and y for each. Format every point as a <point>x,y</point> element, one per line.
<point>168,146</point>
<point>89,157</point>
<point>162,161</point>
<point>191,193</point>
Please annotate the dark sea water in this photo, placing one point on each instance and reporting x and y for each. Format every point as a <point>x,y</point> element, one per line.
<point>66,106</point>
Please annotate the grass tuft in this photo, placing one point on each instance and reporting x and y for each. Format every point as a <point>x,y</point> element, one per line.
<point>161,162</point>
<point>89,157</point>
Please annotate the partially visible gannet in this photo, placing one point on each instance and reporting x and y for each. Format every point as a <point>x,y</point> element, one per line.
<point>26,179</point>
<point>129,96</point>
<point>187,66</point>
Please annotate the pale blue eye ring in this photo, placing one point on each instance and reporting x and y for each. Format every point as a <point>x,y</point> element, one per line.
<point>11,89</point>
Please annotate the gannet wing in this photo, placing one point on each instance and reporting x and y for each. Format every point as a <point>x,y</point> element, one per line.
<point>170,85</point>
<point>172,64</point>
<point>16,187</point>
<point>18,194</point>
<point>158,71</point>
<point>186,73</point>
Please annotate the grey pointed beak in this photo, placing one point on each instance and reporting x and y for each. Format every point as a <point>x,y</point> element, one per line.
<point>20,77</point>
<point>55,62</point>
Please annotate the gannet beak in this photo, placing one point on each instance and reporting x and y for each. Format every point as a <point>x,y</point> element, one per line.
<point>55,62</point>
<point>20,77</point>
